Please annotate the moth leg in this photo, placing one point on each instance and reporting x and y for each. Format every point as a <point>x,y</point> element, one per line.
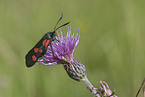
<point>51,49</point>
<point>54,39</point>
<point>59,41</point>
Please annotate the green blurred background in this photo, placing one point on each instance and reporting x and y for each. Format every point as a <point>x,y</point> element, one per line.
<point>111,46</point>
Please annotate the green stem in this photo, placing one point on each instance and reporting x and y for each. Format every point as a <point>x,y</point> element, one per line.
<point>90,87</point>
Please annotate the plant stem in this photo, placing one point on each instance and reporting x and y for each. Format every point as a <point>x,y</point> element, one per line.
<point>90,87</point>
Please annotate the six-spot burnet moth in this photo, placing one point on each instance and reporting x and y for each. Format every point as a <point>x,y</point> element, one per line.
<point>40,48</point>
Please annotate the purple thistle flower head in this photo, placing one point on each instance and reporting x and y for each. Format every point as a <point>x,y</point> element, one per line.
<point>63,54</point>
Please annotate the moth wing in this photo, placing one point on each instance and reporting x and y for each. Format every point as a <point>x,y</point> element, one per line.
<point>36,52</point>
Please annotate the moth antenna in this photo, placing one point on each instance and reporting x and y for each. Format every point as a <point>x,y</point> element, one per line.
<point>58,22</point>
<point>62,26</point>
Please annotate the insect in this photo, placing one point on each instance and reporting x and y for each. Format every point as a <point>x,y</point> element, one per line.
<point>40,48</point>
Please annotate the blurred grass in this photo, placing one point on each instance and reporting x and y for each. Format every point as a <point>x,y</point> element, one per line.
<point>111,46</point>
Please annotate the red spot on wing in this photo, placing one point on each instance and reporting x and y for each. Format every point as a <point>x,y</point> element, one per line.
<point>34,58</point>
<point>44,42</point>
<point>47,43</point>
<point>40,50</point>
<point>36,50</point>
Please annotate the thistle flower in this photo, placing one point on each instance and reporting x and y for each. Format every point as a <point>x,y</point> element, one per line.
<point>63,50</point>
<point>63,54</point>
